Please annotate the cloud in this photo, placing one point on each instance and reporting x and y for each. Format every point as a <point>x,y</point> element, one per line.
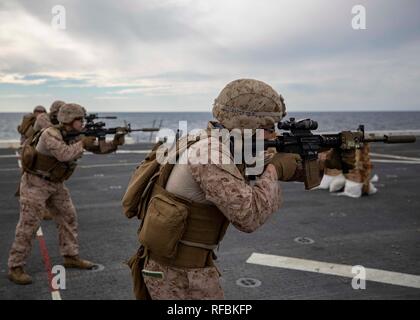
<point>110,98</point>
<point>182,53</point>
<point>13,78</point>
<point>26,96</point>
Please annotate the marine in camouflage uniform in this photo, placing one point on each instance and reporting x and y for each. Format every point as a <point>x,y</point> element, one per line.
<point>243,104</point>
<point>44,121</point>
<point>38,193</point>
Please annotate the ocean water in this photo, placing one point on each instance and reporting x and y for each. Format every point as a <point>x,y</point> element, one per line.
<point>328,121</point>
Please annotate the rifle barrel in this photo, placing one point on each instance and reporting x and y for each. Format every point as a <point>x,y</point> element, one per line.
<point>392,139</point>
<point>145,129</point>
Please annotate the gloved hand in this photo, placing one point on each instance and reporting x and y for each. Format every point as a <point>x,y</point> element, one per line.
<point>119,138</point>
<point>287,165</point>
<point>88,141</point>
<point>341,159</point>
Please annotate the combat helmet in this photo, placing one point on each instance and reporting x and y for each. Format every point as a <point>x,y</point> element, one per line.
<point>39,109</point>
<point>248,104</point>
<point>70,112</point>
<point>55,107</point>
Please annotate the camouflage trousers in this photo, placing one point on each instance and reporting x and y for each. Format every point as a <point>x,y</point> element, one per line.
<point>183,283</point>
<point>36,196</point>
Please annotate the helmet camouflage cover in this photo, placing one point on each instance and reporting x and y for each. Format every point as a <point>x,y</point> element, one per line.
<point>69,112</point>
<point>248,104</point>
<point>40,109</point>
<point>55,106</point>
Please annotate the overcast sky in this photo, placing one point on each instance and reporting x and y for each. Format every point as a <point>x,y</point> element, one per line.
<point>176,55</point>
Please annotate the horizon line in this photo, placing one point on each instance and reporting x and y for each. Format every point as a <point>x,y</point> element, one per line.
<point>190,111</point>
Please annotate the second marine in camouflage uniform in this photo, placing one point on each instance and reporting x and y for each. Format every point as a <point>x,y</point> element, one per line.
<point>42,187</point>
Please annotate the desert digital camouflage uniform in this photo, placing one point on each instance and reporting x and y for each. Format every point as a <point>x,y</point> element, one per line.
<point>42,122</point>
<point>246,206</point>
<point>38,194</point>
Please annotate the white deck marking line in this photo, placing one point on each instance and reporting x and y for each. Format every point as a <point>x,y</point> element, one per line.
<point>392,156</point>
<point>9,169</point>
<point>394,161</point>
<point>123,152</point>
<point>376,275</point>
<point>136,163</point>
<point>9,156</point>
<point>109,165</point>
<point>55,295</point>
<point>19,161</point>
<point>133,151</point>
<point>6,156</point>
<point>89,166</point>
<point>39,232</point>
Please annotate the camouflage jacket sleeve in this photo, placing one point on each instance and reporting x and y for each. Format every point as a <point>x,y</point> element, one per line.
<point>247,207</point>
<point>103,148</point>
<point>55,144</point>
<point>42,122</point>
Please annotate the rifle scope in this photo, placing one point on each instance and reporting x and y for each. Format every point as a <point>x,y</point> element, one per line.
<point>292,124</point>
